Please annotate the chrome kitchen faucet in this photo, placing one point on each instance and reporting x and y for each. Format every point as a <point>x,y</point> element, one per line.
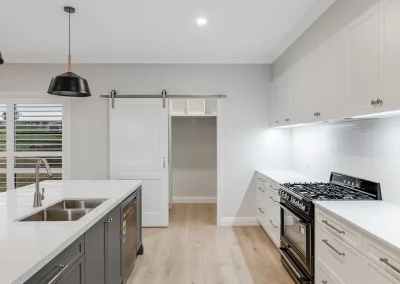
<point>38,197</point>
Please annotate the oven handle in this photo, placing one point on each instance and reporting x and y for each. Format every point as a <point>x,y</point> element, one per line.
<point>288,262</point>
<point>301,278</point>
<point>284,207</point>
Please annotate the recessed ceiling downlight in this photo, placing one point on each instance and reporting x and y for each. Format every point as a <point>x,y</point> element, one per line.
<point>201,21</point>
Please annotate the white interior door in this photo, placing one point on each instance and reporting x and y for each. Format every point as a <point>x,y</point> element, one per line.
<point>139,150</point>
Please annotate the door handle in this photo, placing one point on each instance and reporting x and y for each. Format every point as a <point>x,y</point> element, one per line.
<point>164,162</point>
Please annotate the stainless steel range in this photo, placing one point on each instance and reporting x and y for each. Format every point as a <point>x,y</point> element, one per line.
<point>297,217</point>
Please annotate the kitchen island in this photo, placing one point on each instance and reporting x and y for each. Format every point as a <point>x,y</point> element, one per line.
<point>27,247</point>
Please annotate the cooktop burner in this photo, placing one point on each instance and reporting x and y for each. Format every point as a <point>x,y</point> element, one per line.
<point>326,191</point>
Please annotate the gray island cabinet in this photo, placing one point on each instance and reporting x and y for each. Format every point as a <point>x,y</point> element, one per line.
<point>94,258</point>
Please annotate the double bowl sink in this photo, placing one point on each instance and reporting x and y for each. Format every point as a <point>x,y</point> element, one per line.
<point>65,210</point>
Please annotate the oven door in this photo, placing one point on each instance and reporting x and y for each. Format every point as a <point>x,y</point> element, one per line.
<point>297,237</point>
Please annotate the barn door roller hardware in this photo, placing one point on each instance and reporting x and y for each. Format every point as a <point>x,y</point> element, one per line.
<point>164,96</point>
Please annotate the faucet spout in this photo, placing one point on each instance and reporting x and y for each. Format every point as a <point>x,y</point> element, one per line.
<point>37,198</point>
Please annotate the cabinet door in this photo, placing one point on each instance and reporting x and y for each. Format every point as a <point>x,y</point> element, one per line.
<point>75,275</point>
<point>331,77</point>
<point>283,93</point>
<point>95,254</point>
<point>274,105</point>
<point>390,53</point>
<point>303,94</point>
<point>364,63</point>
<point>373,274</point>
<point>114,247</point>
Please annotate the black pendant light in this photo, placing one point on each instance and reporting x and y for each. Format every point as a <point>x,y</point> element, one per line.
<point>1,59</point>
<point>69,84</point>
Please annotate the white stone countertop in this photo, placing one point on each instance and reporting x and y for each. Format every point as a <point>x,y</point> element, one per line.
<point>284,176</point>
<point>26,247</point>
<point>378,218</point>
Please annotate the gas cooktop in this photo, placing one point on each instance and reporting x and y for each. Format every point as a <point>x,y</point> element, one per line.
<point>340,187</point>
<point>327,191</point>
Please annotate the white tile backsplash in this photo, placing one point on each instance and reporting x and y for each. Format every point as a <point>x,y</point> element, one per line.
<point>368,149</point>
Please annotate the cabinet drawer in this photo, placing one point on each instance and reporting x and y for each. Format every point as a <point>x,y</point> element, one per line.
<point>322,276</point>
<point>341,230</point>
<point>60,264</point>
<point>261,209</point>
<point>383,255</point>
<point>262,192</point>
<point>273,227</point>
<point>273,204</point>
<point>374,274</point>
<point>341,259</point>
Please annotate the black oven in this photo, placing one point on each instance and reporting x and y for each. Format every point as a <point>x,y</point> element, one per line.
<point>297,248</point>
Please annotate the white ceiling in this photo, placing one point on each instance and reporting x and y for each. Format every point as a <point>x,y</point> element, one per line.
<point>154,31</point>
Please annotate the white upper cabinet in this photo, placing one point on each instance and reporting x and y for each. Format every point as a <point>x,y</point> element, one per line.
<point>280,101</point>
<point>364,63</point>
<point>390,53</point>
<point>303,91</point>
<point>332,78</point>
<point>355,72</point>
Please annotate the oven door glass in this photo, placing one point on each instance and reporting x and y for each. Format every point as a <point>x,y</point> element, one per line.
<point>295,231</point>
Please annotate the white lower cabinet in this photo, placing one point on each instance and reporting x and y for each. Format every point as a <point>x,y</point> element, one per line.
<point>268,210</point>
<point>338,261</point>
<point>337,256</point>
<point>373,274</point>
<point>323,276</point>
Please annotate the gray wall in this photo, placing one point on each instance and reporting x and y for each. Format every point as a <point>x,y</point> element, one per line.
<point>194,157</point>
<point>243,120</point>
<point>341,13</point>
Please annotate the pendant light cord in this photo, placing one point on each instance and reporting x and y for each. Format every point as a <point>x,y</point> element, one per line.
<point>69,42</point>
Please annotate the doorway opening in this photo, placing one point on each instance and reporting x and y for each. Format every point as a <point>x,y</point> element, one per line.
<point>194,149</point>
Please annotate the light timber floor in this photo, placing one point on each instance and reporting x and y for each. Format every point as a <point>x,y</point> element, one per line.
<point>193,250</point>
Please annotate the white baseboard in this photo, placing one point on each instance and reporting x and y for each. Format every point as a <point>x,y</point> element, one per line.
<point>239,221</point>
<point>195,199</point>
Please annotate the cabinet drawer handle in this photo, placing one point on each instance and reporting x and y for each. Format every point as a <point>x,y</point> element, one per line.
<point>332,227</point>
<point>261,210</point>
<point>324,282</point>
<point>55,278</point>
<point>275,227</point>
<point>333,248</point>
<point>109,220</point>
<point>273,199</point>
<point>379,101</point>
<point>287,119</point>
<point>270,185</point>
<point>373,102</point>
<point>262,190</point>
<point>386,261</point>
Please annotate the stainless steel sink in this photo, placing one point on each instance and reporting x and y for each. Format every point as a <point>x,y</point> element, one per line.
<point>78,204</point>
<point>65,210</point>
<point>57,215</point>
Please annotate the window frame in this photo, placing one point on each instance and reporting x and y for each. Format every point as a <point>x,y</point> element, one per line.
<point>12,98</point>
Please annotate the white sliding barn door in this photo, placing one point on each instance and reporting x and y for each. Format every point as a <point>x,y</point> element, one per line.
<point>139,150</point>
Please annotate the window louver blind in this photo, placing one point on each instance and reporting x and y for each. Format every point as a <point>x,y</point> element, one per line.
<point>3,174</point>
<point>3,140</point>
<point>37,131</point>
<point>24,172</point>
<point>38,127</point>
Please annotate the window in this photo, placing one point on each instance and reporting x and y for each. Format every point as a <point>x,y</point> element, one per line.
<point>29,131</point>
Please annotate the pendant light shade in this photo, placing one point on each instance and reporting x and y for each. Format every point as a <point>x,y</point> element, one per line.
<point>1,59</point>
<point>69,84</point>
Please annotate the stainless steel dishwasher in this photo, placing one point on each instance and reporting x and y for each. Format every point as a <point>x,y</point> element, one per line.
<point>130,233</point>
